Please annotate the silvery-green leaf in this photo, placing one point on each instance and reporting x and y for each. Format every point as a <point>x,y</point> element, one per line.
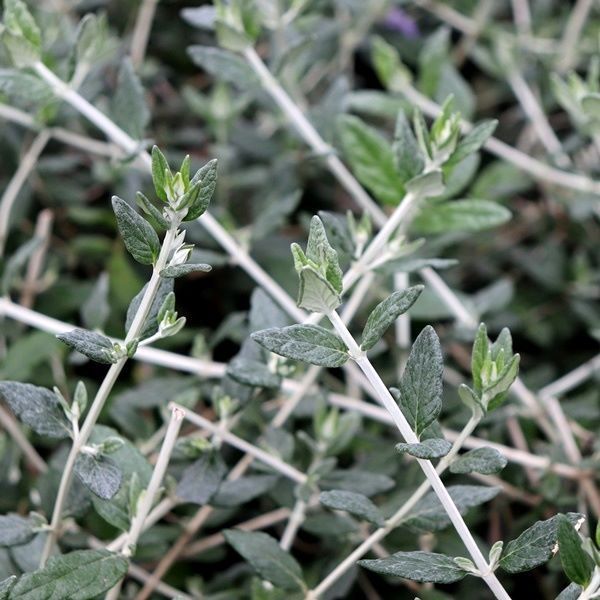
<point>201,480</point>
<point>460,215</point>
<point>320,252</point>
<point>225,65</point>
<point>356,480</point>
<point>202,17</point>
<point>253,373</point>
<point>426,185</point>
<point>267,558</point>
<point>128,104</point>
<point>204,181</point>
<point>417,566</point>
<point>420,389</point>
<point>353,503</point>
<point>99,474</point>
<point>155,216</point>
<point>534,546</point>
<point>160,172</point>
<point>21,34</point>
<point>571,592</point>
<point>480,460</point>
<point>16,530</point>
<point>496,392</point>
<point>94,345</point>
<point>179,270</point>
<point>427,449</point>
<point>243,489</point>
<point>6,585</point>
<point>480,356</point>
<point>472,141</point>
<point>78,575</point>
<point>138,235</point>
<point>37,408</point>
<point>386,312</point>
<point>151,327</point>
<point>308,343</point>
<point>315,293</point>
<point>409,160</point>
<point>372,159</point>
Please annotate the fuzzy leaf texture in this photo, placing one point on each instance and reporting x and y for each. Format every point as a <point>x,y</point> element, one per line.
<point>128,105</point>
<point>426,567</point>
<point>356,504</point>
<point>486,461</point>
<point>138,235</point>
<point>15,530</point>
<point>534,546</point>
<point>428,449</point>
<point>267,558</point>
<point>201,480</point>
<point>95,346</point>
<point>386,312</point>
<point>37,408</point>
<point>420,389</point>
<point>99,474</point>
<point>309,343</point>
<point>78,575</point>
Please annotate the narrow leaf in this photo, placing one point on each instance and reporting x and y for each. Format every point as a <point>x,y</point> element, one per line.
<point>385,313</point>
<point>179,270</point>
<point>95,346</point>
<point>138,235</point>
<point>577,564</point>
<point>356,504</point>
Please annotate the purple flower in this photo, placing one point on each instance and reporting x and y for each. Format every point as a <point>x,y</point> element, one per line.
<point>400,21</point>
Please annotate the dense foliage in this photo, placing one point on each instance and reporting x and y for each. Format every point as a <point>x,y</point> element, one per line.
<point>299,299</point>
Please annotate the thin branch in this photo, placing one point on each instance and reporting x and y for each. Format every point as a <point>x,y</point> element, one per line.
<point>36,262</point>
<point>141,32</point>
<point>571,37</point>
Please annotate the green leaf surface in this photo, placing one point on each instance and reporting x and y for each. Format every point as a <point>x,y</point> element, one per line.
<point>427,449</point>
<point>429,567</point>
<point>95,346</point>
<point>180,270</point>
<point>472,141</point>
<point>252,372</point>
<point>15,530</point>
<point>460,215</point>
<point>204,183</point>
<point>79,575</point>
<point>534,546</point>
<point>480,460</point>
<point>138,235</point>
<point>267,558</point>
<point>386,312</point>
<point>201,480</point>
<point>356,504</point>
<point>372,159</point>
<point>420,389</point>
<point>577,564</point>
<point>128,105</point>
<point>309,343</point>
<point>37,408</point>
<point>99,474</point>
<point>242,490</point>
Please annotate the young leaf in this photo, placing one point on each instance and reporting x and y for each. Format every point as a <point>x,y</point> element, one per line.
<point>429,567</point>
<point>267,558</point>
<point>252,372</point>
<point>409,160</point>
<point>480,460</point>
<point>155,216</point>
<point>322,254</point>
<point>496,392</point>
<point>460,215</point>
<point>205,182</point>
<point>385,313</point>
<point>179,270</point>
<point>577,564</point>
<point>160,172</point>
<point>15,530</point>
<point>315,293</point>
<point>78,575</point>
<point>471,142</point>
<point>138,235</point>
<point>128,105</point>
<point>308,343</point>
<point>99,474</point>
<point>37,408</point>
<point>201,480</point>
<point>534,546</point>
<point>480,356</point>
<point>151,326</point>
<point>21,34</point>
<point>356,504</point>
<point>95,346</point>
<point>427,449</point>
<point>420,389</point>
<point>372,159</point>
